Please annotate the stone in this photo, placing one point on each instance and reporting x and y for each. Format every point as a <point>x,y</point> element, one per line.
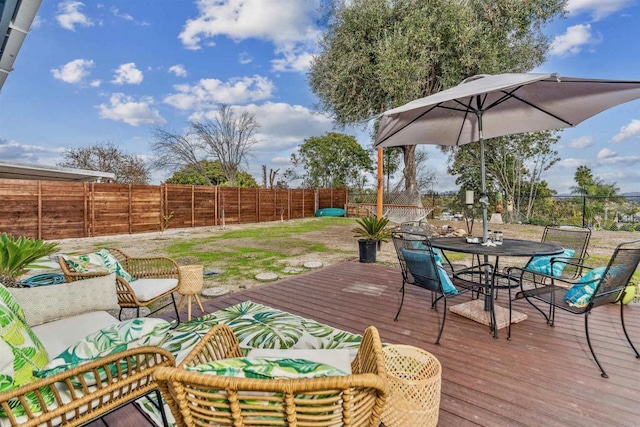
<point>266,277</point>
<point>216,291</point>
<point>313,264</point>
<point>292,270</point>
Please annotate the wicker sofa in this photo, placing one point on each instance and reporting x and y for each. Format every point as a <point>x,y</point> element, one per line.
<point>58,317</point>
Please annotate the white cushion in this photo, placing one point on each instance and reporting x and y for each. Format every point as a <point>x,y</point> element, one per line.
<point>47,303</point>
<point>147,289</point>
<point>60,334</point>
<point>339,358</point>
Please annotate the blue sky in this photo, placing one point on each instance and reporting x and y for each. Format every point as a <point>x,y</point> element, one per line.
<point>92,71</point>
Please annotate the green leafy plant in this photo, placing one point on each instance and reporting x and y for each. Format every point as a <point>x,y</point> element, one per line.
<point>373,228</point>
<point>164,223</point>
<point>17,254</point>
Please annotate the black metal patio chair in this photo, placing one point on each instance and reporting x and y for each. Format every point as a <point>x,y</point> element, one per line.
<point>421,266</point>
<point>602,285</point>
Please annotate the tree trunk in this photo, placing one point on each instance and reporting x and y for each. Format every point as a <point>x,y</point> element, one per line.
<point>409,172</point>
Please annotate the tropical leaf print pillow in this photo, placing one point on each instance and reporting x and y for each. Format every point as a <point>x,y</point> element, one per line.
<point>122,336</point>
<point>98,261</point>
<point>20,353</point>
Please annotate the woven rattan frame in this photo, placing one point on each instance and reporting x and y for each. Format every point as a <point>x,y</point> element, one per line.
<point>140,268</point>
<point>91,402</point>
<point>351,400</point>
<point>414,387</point>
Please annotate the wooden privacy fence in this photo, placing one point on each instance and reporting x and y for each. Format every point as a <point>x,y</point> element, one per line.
<point>59,210</point>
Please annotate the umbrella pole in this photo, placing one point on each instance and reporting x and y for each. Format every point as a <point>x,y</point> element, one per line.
<point>484,201</point>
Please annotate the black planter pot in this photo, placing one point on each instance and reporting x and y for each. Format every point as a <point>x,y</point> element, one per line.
<point>367,250</point>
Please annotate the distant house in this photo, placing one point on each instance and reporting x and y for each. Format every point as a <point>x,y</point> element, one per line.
<point>51,173</point>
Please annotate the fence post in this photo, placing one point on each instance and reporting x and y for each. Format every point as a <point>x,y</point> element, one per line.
<point>39,210</point>
<point>193,206</point>
<point>130,211</point>
<point>85,205</point>
<point>584,209</point>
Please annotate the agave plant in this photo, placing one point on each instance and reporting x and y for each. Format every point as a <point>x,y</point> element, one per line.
<point>373,228</point>
<point>17,254</point>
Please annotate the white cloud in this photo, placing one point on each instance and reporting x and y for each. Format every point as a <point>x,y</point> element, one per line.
<point>178,70</point>
<point>122,108</point>
<point>244,58</point>
<point>572,42</point>
<point>281,161</point>
<point>69,15</point>
<point>581,142</point>
<point>606,153</point>
<point>95,83</point>
<point>598,9</point>
<point>116,12</point>
<point>208,93</point>
<point>294,58</point>
<point>127,74</point>
<point>13,151</point>
<point>573,163</point>
<point>73,71</point>
<point>290,27</point>
<point>620,161</point>
<point>632,130</point>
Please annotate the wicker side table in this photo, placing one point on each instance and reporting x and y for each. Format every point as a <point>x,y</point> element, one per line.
<point>191,281</point>
<point>414,377</point>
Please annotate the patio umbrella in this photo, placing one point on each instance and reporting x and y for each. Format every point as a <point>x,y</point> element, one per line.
<point>488,106</point>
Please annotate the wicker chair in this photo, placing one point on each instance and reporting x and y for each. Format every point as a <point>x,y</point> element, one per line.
<point>609,287</point>
<point>140,268</point>
<point>200,399</point>
<point>129,376</point>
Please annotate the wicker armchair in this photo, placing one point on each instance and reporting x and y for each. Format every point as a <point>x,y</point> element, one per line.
<point>200,399</point>
<point>129,375</point>
<point>140,268</point>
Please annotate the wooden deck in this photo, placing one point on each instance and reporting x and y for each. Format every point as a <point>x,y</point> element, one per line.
<point>543,376</point>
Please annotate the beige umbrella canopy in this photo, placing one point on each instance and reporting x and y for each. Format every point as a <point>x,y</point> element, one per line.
<point>488,106</point>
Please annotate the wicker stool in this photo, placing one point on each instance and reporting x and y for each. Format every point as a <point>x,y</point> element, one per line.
<point>191,281</point>
<point>414,377</point>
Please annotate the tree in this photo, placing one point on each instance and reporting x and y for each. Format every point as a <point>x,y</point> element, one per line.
<point>106,157</point>
<point>213,175</point>
<point>380,54</point>
<point>227,138</point>
<point>596,190</point>
<point>513,165</point>
<point>332,160</point>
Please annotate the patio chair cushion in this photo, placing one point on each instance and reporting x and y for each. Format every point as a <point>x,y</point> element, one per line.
<point>116,338</point>
<point>418,264</point>
<point>20,353</point>
<point>98,261</point>
<point>147,289</point>
<point>44,304</point>
<point>266,368</point>
<point>580,293</point>
<point>337,357</point>
<point>542,263</point>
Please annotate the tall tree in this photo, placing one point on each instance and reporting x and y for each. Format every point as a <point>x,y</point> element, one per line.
<point>213,176</point>
<point>106,157</point>
<point>379,54</point>
<point>598,192</point>
<point>332,160</point>
<point>514,166</point>
<point>227,138</point>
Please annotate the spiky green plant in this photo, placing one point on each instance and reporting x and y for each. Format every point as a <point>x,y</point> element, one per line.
<point>17,254</point>
<point>373,228</point>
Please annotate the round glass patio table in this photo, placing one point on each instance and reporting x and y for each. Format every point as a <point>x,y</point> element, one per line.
<point>509,247</point>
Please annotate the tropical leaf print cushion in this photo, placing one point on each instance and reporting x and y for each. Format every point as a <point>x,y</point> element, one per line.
<point>266,368</point>
<point>122,336</point>
<point>20,353</point>
<point>259,326</point>
<point>98,261</point>
<point>10,301</point>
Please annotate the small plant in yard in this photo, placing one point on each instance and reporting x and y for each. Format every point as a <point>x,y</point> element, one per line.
<point>373,228</point>
<point>164,223</point>
<point>17,254</point>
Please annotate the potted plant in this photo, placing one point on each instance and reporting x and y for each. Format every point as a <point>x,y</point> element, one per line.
<point>17,254</point>
<point>371,231</point>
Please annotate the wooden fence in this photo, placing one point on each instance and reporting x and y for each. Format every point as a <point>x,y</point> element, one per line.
<point>59,210</point>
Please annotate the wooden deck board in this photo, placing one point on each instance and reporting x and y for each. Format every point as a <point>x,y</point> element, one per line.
<point>543,376</point>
